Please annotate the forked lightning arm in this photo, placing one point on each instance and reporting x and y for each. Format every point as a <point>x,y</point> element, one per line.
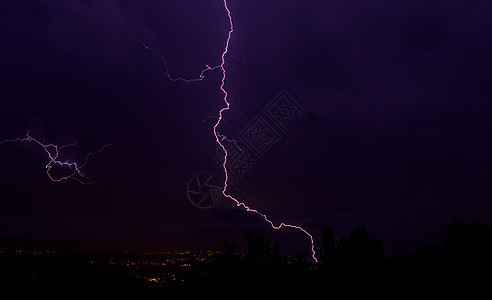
<point>166,67</point>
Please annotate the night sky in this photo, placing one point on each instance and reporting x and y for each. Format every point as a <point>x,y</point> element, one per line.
<point>396,135</point>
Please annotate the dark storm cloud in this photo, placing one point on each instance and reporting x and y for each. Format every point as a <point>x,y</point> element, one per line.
<point>398,103</point>
<point>396,132</point>
<point>66,27</point>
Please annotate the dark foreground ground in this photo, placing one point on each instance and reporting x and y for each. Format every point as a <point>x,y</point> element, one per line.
<point>356,265</point>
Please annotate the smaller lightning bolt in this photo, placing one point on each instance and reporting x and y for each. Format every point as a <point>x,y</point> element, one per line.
<point>53,152</point>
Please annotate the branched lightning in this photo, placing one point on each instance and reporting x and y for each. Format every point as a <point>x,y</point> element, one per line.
<point>53,152</point>
<point>166,67</point>
<point>219,138</point>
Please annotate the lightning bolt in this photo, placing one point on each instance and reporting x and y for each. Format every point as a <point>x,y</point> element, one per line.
<point>219,138</point>
<point>53,152</point>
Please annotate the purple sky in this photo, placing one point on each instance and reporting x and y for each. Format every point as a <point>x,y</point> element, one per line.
<point>396,135</point>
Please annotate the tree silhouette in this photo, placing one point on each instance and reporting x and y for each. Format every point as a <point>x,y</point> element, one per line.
<point>260,252</point>
<point>359,259</point>
<point>328,250</point>
<point>470,245</point>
